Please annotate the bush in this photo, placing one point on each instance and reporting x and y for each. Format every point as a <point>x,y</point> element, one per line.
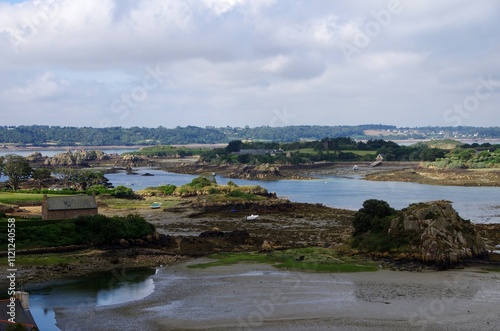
<point>201,182</point>
<point>371,225</point>
<point>100,229</point>
<point>123,192</point>
<point>97,189</point>
<point>371,217</point>
<point>242,195</point>
<point>213,190</point>
<point>167,189</point>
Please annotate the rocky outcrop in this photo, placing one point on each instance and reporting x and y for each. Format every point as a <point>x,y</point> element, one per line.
<point>34,157</point>
<point>275,205</point>
<point>76,158</point>
<point>443,237</point>
<point>260,172</point>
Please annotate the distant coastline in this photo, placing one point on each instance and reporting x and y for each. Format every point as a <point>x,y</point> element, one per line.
<point>16,147</point>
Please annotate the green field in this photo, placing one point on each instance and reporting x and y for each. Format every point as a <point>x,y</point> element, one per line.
<point>307,259</point>
<point>9,198</point>
<point>116,203</point>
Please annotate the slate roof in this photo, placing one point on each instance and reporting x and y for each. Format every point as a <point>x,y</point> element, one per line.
<point>71,202</point>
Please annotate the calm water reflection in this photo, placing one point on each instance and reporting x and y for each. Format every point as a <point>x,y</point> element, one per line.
<point>98,289</point>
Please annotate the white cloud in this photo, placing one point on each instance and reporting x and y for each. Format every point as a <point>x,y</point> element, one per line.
<point>42,86</point>
<point>230,62</point>
<point>389,60</point>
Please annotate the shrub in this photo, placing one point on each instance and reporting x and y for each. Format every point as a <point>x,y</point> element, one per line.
<point>213,190</point>
<point>200,182</point>
<point>100,229</point>
<point>97,189</point>
<point>167,189</point>
<point>242,195</point>
<point>123,192</point>
<point>371,225</point>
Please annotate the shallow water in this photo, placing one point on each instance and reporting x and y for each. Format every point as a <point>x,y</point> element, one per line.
<point>94,290</point>
<point>479,204</point>
<point>258,297</point>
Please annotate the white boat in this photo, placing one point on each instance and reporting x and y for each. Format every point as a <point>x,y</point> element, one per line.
<point>252,217</point>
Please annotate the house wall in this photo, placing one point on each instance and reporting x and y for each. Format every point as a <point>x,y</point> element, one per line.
<point>66,214</point>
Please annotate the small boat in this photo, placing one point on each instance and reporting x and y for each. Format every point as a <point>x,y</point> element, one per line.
<point>355,167</point>
<point>252,217</point>
<point>155,205</point>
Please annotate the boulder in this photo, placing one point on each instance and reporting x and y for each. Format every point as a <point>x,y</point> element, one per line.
<point>443,236</point>
<point>266,246</point>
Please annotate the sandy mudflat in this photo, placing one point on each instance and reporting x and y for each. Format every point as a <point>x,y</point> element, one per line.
<point>259,297</point>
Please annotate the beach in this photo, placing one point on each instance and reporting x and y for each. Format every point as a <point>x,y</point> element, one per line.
<point>260,297</point>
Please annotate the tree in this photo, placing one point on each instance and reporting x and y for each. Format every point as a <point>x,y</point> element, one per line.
<point>370,217</point>
<point>123,192</point>
<point>234,146</point>
<point>17,169</point>
<point>66,174</point>
<point>85,178</point>
<point>40,174</point>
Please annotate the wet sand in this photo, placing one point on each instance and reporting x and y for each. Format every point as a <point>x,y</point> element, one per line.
<point>260,297</point>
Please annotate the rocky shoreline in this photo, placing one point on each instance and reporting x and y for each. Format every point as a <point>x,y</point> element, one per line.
<point>452,177</point>
<point>195,229</point>
<point>385,171</point>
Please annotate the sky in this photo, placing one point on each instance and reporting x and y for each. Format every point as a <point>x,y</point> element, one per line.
<point>169,63</point>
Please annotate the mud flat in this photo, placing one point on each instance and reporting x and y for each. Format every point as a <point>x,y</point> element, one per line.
<point>462,177</point>
<point>259,297</point>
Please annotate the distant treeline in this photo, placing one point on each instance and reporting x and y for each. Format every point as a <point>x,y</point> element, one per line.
<point>41,135</point>
<point>326,149</point>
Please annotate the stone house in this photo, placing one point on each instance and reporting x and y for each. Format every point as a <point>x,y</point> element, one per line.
<point>68,207</point>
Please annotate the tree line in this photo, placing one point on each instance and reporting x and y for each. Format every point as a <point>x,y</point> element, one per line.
<point>43,135</point>
<point>326,149</point>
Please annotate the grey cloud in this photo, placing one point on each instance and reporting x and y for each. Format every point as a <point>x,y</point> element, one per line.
<point>233,62</point>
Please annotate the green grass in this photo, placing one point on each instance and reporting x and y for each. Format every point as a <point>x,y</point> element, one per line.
<point>10,198</point>
<point>115,203</point>
<point>491,269</point>
<point>306,259</point>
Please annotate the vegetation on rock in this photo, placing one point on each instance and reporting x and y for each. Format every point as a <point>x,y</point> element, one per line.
<point>430,232</point>
<point>473,156</point>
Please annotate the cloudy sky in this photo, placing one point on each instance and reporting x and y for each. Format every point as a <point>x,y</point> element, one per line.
<point>249,62</point>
